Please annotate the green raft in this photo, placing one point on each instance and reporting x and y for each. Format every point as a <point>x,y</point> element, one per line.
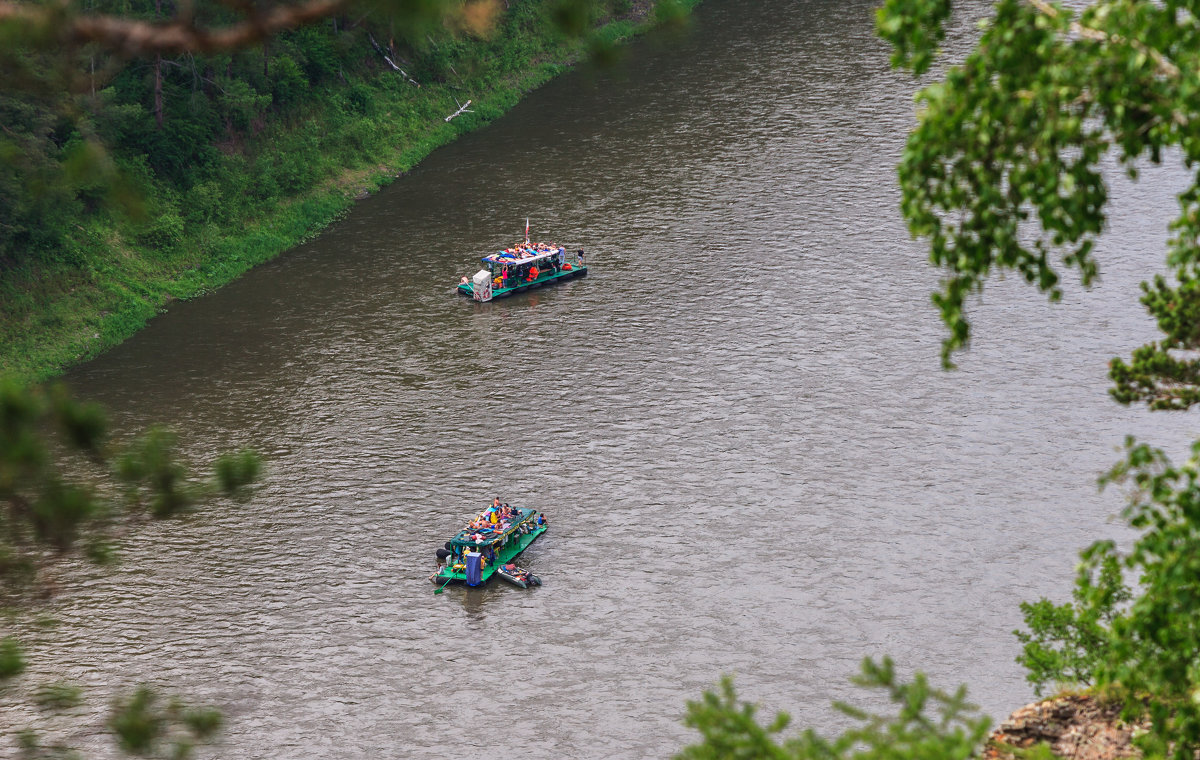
<point>523,267</point>
<point>488,548</point>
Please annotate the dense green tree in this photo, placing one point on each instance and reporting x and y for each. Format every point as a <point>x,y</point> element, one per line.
<point>1003,172</point>
<point>176,87</point>
<point>1066,643</point>
<point>1139,645</point>
<point>37,196</point>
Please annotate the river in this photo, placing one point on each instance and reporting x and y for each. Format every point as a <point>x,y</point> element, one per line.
<point>737,424</point>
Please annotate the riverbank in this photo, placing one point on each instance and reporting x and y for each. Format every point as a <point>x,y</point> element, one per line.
<point>280,183</point>
<point>1072,726</point>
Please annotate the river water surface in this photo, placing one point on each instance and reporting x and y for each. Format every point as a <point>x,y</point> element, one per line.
<point>737,424</point>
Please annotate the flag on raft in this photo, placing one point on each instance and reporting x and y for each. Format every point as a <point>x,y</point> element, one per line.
<point>526,229</point>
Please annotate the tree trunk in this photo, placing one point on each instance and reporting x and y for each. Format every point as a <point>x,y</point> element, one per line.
<point>158,99</point>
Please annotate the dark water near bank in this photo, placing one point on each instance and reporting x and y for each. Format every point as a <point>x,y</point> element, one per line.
<point>738,425</point>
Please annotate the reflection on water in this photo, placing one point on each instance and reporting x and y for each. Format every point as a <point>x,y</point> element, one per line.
<point>736,423</point>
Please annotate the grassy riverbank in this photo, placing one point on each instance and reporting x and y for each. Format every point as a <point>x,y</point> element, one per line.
<point>270,185</point>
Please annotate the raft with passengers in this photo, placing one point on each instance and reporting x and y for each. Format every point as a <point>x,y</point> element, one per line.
<point>488,546</point>
<point>522,267</point>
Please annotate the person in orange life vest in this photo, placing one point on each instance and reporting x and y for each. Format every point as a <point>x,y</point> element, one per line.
<point>533,273</point>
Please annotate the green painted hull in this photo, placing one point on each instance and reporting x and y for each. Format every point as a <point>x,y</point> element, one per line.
<point>579,271</point>
<point>504,554</point>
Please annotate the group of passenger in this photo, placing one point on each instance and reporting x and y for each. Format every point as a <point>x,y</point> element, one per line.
<point>525,251</point>
<point>497,514</point>
<point>516,267</point>
<point>494,521</point>
<point>513,269</point>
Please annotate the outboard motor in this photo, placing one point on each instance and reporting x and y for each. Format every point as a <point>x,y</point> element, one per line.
<point>481,286</point>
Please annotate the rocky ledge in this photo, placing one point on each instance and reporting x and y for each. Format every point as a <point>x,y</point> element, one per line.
<point>1075,727</point>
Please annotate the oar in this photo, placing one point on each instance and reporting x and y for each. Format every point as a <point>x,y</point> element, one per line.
<point>443,586</point>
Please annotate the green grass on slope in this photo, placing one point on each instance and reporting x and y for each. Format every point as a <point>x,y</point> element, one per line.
<point>361,138</point>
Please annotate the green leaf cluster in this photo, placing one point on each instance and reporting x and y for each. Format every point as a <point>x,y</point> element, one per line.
<point>66,488</point>
<point>1165,374</point>
<point>1003,171</point>
<point>144,728</point>
<point>928,724</point>
<point>1066,643</point>
<point>1140,644</point>
<point>1155,645</point>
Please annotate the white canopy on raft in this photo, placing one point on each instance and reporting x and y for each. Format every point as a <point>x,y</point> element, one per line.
<point>502,258</point>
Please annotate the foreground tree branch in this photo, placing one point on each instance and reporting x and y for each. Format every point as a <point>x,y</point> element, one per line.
<point>130,37</point>
<point>1005,168</point>
<point>1165,67</point>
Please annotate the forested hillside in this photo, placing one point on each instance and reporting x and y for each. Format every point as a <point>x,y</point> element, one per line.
<point>127,181</point>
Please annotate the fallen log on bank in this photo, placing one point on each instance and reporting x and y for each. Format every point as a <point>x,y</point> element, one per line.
<point>461,110</point>
<point>384,54</point>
